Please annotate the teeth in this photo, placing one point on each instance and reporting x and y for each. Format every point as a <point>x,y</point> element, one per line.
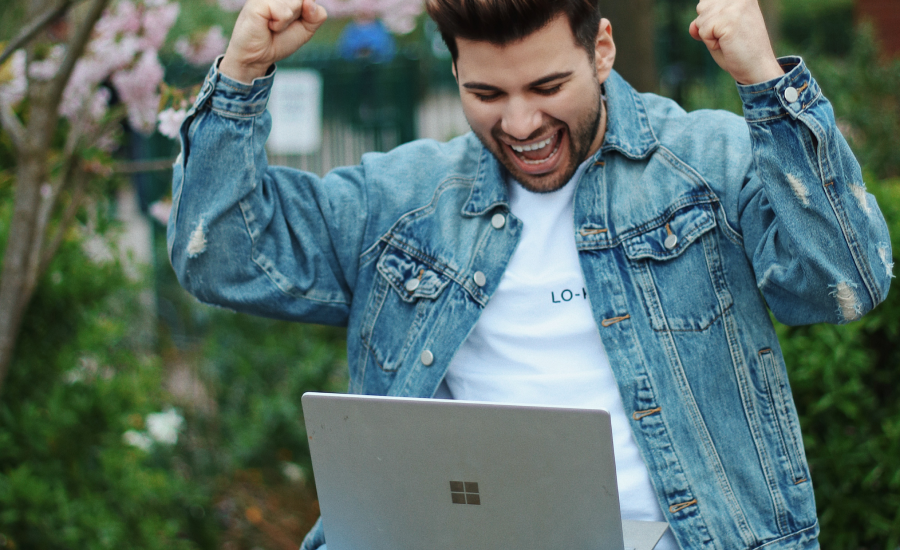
<point>533,146</point>
<point>526,161</point>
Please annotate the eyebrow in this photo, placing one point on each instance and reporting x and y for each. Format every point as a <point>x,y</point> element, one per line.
<point>538,82</point>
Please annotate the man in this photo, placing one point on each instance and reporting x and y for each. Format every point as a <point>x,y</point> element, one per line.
<point>586,245</point>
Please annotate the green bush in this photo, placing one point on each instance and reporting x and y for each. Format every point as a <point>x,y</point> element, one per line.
<point>863,88</point>
<point>83,376</point>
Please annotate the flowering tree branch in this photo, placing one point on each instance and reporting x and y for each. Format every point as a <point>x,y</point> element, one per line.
<point>76,48</point>
<point>10,122</point>
<point>32,29</point>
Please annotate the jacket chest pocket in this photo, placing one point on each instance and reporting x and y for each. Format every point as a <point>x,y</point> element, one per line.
<point>678,267</point>
<point>402,303</point>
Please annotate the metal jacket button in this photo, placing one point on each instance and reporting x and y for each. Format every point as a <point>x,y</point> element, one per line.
<point>412,285</point>
<point>427,358</point>
<point>791,94</point>
<point>498,221</point>
<point>479,278</point>
<point>671,241</point>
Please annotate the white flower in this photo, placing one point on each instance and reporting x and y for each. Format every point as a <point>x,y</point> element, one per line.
<point>138,439</point>
<point>170,122</point>
<point>204,49</point>
<point>46,68</point>
<point>293,472</point>
<point>164,426</point>
<point>13,83</point>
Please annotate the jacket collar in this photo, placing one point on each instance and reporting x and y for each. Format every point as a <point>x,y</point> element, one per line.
<point>628,131</point>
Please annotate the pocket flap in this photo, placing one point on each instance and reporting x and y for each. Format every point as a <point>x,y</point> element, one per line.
<point>410,276</point>
<point>669,240</point>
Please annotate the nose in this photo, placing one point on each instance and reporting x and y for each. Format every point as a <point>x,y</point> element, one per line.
<point>520,118</point>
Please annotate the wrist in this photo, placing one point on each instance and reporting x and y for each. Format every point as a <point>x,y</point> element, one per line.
<point>769,70</point>
<point>242,72</point>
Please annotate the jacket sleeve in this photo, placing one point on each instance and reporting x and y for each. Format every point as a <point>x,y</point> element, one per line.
<point>817,240</point>
<point>265,240</point>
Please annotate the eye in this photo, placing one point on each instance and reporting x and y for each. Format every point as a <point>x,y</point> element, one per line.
<point>487,98</point>
<point>548,91</point>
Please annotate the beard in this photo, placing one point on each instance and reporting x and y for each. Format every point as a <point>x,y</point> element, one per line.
<point>581,138</point>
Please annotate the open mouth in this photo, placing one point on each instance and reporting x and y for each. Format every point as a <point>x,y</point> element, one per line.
<point>539,154</point>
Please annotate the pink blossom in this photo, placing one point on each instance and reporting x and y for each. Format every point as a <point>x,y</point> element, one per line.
<point>160,210</point>
<point>398,15</point>
<point>138,88</point>
<point>124,18</point>
<point>205,49</point>
<point>231,5</point>
<point>170,122</point>
<point>123,50</point>
<point>156,24</point>
<point>46,68</point>
<point>13,83</point>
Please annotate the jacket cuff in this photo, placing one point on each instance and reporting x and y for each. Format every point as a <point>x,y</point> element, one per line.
<point>230,97</point>
<point>788,95</point>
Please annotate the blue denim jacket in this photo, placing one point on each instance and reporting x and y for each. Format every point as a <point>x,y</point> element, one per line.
<point>690,228</point>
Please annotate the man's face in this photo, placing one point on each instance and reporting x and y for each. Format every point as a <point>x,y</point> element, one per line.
<point>535,104</point>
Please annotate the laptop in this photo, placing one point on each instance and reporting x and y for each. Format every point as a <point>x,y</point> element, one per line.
<point>432,474</point>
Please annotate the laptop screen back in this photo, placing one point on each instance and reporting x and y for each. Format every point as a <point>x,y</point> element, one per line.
<point>405,474</point>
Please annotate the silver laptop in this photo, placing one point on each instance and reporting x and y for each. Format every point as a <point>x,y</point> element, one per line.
<point>430,474</point>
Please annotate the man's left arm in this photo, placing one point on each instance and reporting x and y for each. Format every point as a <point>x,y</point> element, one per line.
<point>818,242</point>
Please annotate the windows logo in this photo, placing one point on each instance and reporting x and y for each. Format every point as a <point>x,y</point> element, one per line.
<point>465,492</point>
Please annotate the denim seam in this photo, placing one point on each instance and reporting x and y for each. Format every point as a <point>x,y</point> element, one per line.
<point>795,534</point>
<point>782,412</point>
<point>387,236</point>
<point>696,419</point>
<point>689,170</point>
<point>437,315</point>
<point>701,329</point>
<point>767,461</point>
<point>230,114</point>
<point>857,254</point>
<point>737,359</point>
<point>693,412</point>
<point>697,201</point>
<point>368,329</point>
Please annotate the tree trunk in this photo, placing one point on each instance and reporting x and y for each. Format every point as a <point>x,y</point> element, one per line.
<point>23,261</point>
<point>22,257</point>
<point>634,31</point>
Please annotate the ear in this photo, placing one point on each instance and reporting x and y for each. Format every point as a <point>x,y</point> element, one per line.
<point>453,69</point>
<point>604,50</point>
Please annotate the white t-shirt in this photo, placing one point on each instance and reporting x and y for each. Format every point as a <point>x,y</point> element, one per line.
<point>536,341</point>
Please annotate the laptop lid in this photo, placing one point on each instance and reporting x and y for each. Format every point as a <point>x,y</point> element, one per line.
<point>404,474</point>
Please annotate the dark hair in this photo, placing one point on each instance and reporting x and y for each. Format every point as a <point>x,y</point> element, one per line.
<point>503,22</point>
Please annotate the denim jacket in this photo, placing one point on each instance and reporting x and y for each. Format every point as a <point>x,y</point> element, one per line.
<point>690,228</point>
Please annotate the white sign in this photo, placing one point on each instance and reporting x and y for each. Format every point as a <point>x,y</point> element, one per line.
<point>296,108</point>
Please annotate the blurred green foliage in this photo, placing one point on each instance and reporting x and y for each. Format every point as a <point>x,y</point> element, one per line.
<point>81,378</point>
<point>864,89</point>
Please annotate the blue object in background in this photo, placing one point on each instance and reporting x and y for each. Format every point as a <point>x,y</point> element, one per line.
<point>366,40</point>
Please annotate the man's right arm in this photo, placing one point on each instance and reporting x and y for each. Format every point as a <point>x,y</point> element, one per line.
<point>266,240</point>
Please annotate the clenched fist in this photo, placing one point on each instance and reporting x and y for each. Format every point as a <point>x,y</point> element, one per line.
<point>735,34</point>
<point>267,31</point>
